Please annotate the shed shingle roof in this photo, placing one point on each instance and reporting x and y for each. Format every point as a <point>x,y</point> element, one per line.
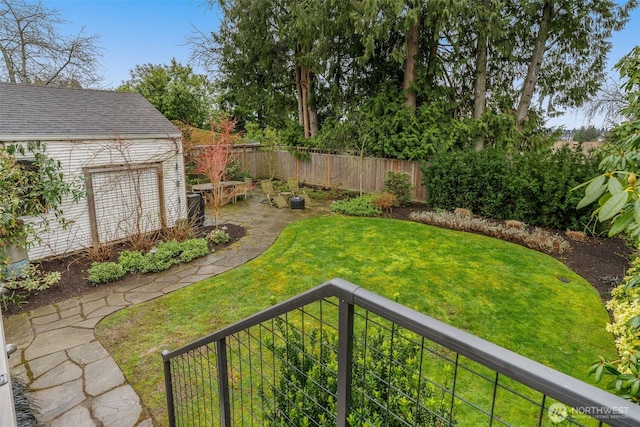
<point>43,112</point>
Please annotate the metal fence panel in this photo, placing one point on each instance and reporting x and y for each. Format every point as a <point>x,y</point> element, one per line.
<point>340,355</point>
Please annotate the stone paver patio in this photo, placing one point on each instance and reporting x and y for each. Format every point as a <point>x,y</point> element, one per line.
<point>74,380</point>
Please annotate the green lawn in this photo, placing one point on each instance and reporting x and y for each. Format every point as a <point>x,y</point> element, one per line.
<point>499,291</point>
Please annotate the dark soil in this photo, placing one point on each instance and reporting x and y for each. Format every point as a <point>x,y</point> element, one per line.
<point>73,269</point>
<point>600,261</point>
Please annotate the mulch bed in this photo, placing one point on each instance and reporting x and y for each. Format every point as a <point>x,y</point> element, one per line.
<point>600,261</point>
<point>73,269</point>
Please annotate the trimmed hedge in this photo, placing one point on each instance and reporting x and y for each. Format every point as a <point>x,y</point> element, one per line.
<point>530,187</point>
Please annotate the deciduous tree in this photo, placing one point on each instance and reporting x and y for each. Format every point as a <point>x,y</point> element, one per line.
<point>35,50</point>
<point>175,90</point>
<point>564,45</point>
<point>211,160</point>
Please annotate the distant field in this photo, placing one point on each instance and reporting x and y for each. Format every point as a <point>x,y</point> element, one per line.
<point>586,146</point>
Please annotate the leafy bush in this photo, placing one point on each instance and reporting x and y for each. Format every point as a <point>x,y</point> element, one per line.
<point>530,187</point>
<point>104,272</point>
<point>384,201</point>
<point>218,236</point>
<point>398,184</point>
<point>385,375</point>
<point>359,206</point>
<point>169,249</point>
<point>154,262</point>
<point>31,280</point>
<point>625,308</point>
<point>165,255</point>
<point>131,261</point>
<point>194,248</point>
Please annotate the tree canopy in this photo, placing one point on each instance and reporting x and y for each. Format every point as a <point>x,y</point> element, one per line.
<point>494,68</point>
<point>175,90</point>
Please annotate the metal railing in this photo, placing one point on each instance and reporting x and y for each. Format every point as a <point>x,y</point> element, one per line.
<point>340,355</point>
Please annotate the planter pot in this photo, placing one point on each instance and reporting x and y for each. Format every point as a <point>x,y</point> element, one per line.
<point>17,259</point>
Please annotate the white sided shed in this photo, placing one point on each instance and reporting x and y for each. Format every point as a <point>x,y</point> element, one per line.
<point>125,152</point>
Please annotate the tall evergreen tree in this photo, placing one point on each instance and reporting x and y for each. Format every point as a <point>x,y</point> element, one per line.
<point>278,60</point>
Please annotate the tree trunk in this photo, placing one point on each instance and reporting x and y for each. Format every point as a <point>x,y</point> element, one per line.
<point>304,85</point>
<point>313,120</point>
<point>480,84</point>
<point>535,64</point>
<point>413,44</point>
<point>299,92</point>
<point>311,106</point>
<point>9,64</point>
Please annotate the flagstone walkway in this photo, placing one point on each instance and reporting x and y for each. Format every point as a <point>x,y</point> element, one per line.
<point>74,380</point>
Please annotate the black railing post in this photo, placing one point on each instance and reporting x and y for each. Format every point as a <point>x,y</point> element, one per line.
<point>345,358</point>
<point>168,384</point>
<point>223,383</point>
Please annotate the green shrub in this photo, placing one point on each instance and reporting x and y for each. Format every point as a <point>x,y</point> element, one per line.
<point>194,248</point>
<point>18,289</point>
<point>359,206</point>
<point>154,262</point>
<point>169,249</point>
<point>131,261</point>
<point>163,257</point>
<point>625,310</point>
<point>385,377</point>
<point>103,272</point>
<point>218,236</point>
<point>530,187</point>
<point>398,184</point>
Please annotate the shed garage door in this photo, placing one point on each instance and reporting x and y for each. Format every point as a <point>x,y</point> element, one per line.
<point>125,202</point>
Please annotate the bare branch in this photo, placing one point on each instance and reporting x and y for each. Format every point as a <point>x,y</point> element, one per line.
<point>34,51</point>
<point>607,103</point>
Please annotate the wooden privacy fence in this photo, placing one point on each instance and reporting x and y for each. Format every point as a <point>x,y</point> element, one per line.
<point>328,169</point>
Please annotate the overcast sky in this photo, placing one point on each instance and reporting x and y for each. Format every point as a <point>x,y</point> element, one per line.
<point>136,32</point>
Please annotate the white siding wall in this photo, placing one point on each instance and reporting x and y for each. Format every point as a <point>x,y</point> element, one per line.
<point>74,156</point>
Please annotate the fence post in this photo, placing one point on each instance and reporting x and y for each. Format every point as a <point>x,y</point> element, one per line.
<point>223,383</point>
<point>345,358</point>
<point>168,384</point>
<point>328,168</point>
<point>244,156</point>
<point>298,163</point>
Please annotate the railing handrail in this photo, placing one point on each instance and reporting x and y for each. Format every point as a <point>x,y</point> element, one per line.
<point>537,376</point>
